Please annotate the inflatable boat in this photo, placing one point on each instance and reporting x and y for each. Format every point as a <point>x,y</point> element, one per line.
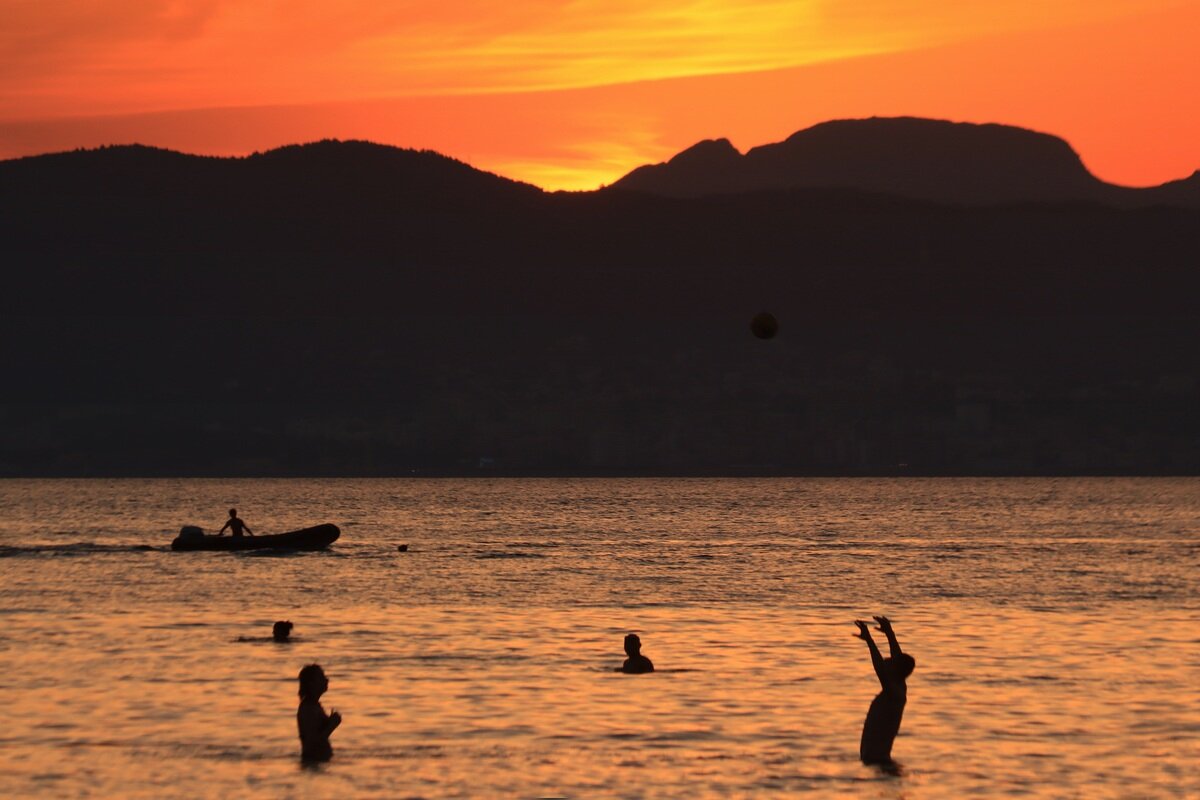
<point>317,537</point>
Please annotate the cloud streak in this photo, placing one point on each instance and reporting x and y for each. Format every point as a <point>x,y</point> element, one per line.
<point>572,94</point>
<point>71,57</point>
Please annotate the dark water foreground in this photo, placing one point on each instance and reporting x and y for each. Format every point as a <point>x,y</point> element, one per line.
<point>1054,624</point>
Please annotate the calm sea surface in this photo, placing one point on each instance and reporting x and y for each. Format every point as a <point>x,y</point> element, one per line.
<point>1055,624</point>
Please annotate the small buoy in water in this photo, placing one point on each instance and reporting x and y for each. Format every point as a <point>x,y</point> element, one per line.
<point>403,548</point>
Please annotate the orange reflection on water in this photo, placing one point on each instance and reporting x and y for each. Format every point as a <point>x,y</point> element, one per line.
<point>523,702</point>
<point>1052,622</point>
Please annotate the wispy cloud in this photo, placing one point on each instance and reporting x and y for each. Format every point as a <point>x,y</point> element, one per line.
<point>1121,92</point>
<point>63,57</point>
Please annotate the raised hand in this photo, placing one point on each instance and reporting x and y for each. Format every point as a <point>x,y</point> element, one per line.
<point>885,625</point>
<point>863,631</point>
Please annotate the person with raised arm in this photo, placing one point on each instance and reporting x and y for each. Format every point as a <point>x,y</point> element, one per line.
<point>887,709</point>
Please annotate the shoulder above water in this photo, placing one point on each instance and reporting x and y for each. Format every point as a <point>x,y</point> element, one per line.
<point>637,665</point>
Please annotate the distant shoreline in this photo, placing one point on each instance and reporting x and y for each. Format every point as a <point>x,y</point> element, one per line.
<point>599,474</point>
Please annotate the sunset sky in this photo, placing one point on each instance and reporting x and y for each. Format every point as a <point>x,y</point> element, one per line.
<point>574,93</point>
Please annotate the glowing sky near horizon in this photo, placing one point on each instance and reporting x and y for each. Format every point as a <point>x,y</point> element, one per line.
<point>574,93</point>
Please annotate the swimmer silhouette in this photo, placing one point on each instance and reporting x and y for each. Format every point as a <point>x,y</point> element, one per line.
<point>883,718</point>
<point>281,631</point>
<point>636,664</point>
<point>315,725</point>
<point>235,525</point>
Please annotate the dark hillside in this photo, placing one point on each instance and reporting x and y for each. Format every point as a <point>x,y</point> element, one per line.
<point>356,309</point>
<point>917,158</point>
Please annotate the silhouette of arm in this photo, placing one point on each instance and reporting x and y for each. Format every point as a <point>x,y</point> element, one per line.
<point>885,625</point>
<point>249,532</point>
<point>223,527</point>
<point>864,633</point>
<point>316,725</point>
<point>312,724</point>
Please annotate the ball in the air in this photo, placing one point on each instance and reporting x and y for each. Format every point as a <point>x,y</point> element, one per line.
<point>764,325</point>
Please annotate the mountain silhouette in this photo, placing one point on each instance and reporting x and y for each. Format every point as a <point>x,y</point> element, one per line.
<point>380,172</point>
<point>917,158</point>
<point>1184,192</point>
<point>350,308</point>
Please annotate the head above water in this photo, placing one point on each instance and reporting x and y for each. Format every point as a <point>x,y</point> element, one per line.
<point>233,512</point>
<point>281,630</point>
<point>633,644</point>
<point>313,682</point>
<point>901,665</point>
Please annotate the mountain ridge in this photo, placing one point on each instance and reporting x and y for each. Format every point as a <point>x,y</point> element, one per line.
<point>909,157</point>
<point>346,227</point>
<point>938,160</point>
<point>328,161</point>
<point>358,309</point>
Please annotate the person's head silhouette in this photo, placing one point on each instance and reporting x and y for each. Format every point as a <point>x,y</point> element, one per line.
<point>281,630</point>
<point>313,682</point>
<point>233,512</point>
<point>901,665</point>
<point>633,645</point>
<point>636,663</point>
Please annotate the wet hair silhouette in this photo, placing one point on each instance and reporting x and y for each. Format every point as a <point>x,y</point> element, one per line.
<point>637,663</point>
<point>314,724</point>
<point>281,630</point>
<point>887,709</point>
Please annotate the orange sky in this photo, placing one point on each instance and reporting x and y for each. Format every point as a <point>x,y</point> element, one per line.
<point>574,93</point>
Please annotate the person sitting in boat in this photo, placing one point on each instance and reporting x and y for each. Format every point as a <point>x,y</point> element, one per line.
<point>636,664</point>
<point>235,525</point>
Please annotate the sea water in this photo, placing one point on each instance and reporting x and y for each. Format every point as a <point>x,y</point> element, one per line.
<point>1055,625</point>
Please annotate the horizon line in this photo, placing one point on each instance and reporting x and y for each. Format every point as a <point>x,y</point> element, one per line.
<point>245,155</point>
